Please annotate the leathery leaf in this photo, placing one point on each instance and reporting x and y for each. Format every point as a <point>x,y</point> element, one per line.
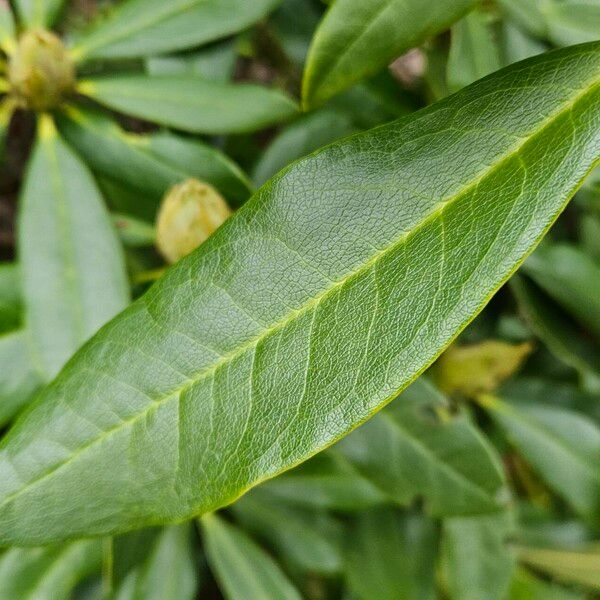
<point>330,291</point>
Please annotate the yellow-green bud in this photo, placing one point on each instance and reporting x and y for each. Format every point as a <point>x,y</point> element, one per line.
<point>478,368</point>
<point>40,71</point>
<point>189,214</point>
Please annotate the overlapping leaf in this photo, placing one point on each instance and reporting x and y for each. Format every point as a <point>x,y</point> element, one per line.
<point>305,313</point>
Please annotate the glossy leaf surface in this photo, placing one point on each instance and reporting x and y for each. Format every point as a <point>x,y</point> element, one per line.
<point>192,104</point>
<point>241,566</point>
<point>69,252</point>
<point>357,39</point>
<point>313,306</point>
<point>146,27</point>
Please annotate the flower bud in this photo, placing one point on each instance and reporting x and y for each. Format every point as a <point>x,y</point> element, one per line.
<point>189,214</point>
<point>478,368</point>
<point>40,71</point>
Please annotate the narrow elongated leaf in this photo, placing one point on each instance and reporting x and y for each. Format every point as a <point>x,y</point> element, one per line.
<point>48,573</point>
<point>391,556</point>
<point>570,277</point>
<point>10,297</point>
<point>307,311</point>
<point>150,163</point>
<point>547,437</point>
<point>170,570</point>
<point>146,27</point>
<point>556,330</point>
<point>71,264</point>
<point>528,13</point>
<point>443,460</point>
<point>478,561</point>
<point>474,52</point>
<point>519,44</point>
<point>18,377</point>
<point>303,538</point>
<point>243,569</point>
<point>579,567</point>
<point>357,38</point>
<point>39,13</point>
<point>192,104</point>
<point>301,138</point>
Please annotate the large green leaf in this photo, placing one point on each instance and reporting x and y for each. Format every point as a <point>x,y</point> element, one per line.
<point>18,377</point>
<point>48,573</point>
<point>391,556</point>
<point>357,38</point>
<point>572,278</point>
<point>192,104</point>
<point>150,163</point>
<point>561,445</point>
<point>478,561</point>
<point>72,269</point>
<point>441,459</point>
<point>39,13</point>
<point>307,311</point>
<point>243,569</point>
<point>146,27</point>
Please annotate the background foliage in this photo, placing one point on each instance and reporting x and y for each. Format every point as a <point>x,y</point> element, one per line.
<point>481,481</point>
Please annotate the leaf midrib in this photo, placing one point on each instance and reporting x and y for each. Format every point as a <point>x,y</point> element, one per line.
<point>312,303</point>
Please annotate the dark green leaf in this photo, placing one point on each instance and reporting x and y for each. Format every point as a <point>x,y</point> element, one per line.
<point>442,459</point>
<point>192,104</point>
<point>590,236</point>
<point>72,269</point>
<point>307,311</point>
<point>242,568</point>
<point>527,587</point>
<point>10,297</point>
<point>357,39</point>
<point>391,556</point>
<point>147,27</point>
